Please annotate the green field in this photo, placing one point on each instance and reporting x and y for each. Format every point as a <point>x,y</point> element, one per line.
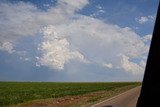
<point>19,92</point>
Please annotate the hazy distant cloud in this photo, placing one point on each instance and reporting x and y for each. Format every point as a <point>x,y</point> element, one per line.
<point>132,67</point>
<point>25,58</point>
<point>108,65</point>
<point>17,20</point>
<point>144,19</point>
<point>99,11</point>
<point>7,46</point>
<point>73,5</point>
<point>99,7</point>
<point>147,38</point>
<point>142,63</point>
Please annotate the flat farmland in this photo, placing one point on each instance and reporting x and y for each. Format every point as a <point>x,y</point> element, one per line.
<point>28,93</point>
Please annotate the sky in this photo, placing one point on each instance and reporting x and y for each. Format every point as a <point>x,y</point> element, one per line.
<point>75,40</point>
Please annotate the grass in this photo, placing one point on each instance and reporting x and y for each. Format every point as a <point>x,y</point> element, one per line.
<point>93,99</point>
<point>12,93</point>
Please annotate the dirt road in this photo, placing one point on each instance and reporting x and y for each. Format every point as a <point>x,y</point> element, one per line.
<point>126,99</point>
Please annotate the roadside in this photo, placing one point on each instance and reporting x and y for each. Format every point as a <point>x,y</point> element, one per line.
<point>85,100</point>
<point>126,99</point>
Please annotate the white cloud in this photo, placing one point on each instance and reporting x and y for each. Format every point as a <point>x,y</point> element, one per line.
<point>147,38</point>
<point>56,50</point>
<point>24,19</point>
<point>67,35</point>
<point>99,7</point>
<point>142,20</point>
<point>25,58</point>
<point>99,12</point>
<point>108,65</point>
<point>98,41</point>
<point>152,17</point>
<point>132,67</point>
<point>103,36</point>
<point>73,4</point>
<point>142,63</point>
<point>145,19</point>
<point>7,46</point>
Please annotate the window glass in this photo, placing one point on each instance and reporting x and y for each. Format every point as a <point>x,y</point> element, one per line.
<point>75,40</point>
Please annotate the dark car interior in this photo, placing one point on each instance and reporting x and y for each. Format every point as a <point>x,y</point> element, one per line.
<point>150,91</point>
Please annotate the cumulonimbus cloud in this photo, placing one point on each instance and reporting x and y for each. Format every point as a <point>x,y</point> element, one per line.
<point>56,50</point>
<point>68,35</point>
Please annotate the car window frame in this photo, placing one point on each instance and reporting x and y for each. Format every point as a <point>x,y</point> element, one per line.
<point>150,90</point>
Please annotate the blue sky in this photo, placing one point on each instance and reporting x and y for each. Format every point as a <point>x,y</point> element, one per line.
<point>75,40</point>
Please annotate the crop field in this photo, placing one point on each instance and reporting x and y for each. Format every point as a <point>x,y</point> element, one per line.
<point>12,93</point>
